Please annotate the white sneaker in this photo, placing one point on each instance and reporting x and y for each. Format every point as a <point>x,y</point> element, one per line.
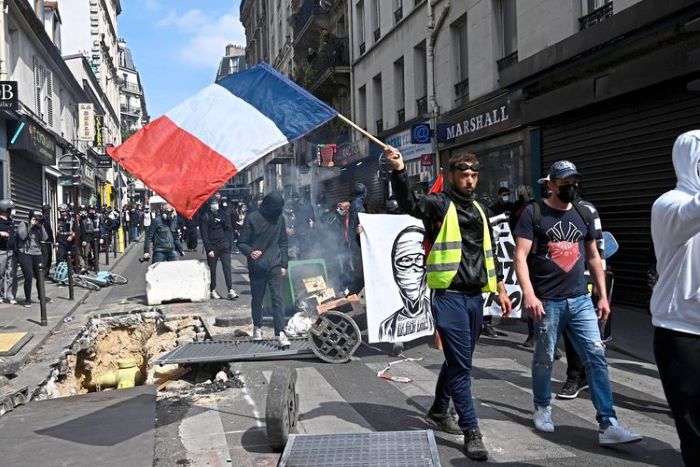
<point>284,341</point>
<point>232,295</point>
<point>13,301</point>
<point>257,334</point>
<point>215,295</point>
<point>543,419</point>
<point>617,434</point>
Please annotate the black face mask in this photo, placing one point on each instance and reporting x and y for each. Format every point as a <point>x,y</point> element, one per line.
<point>567,193</point>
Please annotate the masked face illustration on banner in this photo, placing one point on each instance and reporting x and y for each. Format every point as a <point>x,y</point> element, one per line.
<point>408,261</point>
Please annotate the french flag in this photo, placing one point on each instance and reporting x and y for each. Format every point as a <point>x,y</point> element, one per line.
<point>190,152</point>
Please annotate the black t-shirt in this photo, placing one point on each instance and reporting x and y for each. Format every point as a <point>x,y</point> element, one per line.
<point>557,267</point>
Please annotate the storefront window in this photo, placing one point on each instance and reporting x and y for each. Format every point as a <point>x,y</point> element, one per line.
<point>499,167</point>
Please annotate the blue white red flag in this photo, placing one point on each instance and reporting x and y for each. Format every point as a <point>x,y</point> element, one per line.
<point>190,152</point>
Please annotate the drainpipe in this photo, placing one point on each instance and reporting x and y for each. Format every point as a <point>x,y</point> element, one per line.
<point>3,41</point>
<point>433,30</point>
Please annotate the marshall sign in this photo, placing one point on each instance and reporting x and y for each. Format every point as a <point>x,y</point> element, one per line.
<point>495,116</point>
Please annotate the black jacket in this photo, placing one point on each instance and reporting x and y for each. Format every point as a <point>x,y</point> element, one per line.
<point>471,275</point>
<point>215,228</point>
<point>8,243</point>
<point>267,233</point>
<point>164,237</point>
<point>65,228</point>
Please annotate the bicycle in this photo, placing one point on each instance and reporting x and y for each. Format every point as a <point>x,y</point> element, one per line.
<point>60,276</point>
<point>102,278</point>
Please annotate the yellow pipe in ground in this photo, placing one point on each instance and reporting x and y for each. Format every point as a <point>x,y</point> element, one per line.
<point>125,377</point>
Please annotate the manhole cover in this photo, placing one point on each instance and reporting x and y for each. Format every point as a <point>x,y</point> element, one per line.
<point>235,350</point>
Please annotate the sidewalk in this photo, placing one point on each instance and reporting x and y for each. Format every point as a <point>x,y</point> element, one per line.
<point>17,318</point>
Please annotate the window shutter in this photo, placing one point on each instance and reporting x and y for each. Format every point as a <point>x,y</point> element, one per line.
<point>49,97</point>
<point>37,86</point>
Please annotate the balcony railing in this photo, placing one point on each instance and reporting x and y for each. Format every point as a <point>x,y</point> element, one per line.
<point>304,15</point>
<point>401,114</point>
<point>130,109</point>
<point>508,60</point>
<point>596,16</point>
<point>131,87</point>
<point>362,48</point>
<point>380,125</point>
<point>462,91</point>
<point>398,14</point>
<point>422,105</point>
<point>334,54</point>
<point>377,34</point>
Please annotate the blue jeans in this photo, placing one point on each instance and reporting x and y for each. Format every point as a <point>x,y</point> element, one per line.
<point>159,256</point>
<point>577,317</point>
<point>458,318</point>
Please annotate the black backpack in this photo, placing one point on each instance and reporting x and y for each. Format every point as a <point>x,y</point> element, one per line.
<point>582,211</point>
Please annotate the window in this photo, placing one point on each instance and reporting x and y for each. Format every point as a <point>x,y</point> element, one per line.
<point>378,107</point>
<point>399,91</point>
<point>589,6</point>
<point>362,106</point>
<point>39,88</point>
<point>420,75</point>
<point>375,20</point>
<point>507,26</point>
<point>398,10</point>
<point>360,11</point>
<point>594,11</point>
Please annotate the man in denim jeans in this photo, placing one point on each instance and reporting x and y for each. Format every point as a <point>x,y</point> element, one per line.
<point>556,297</point>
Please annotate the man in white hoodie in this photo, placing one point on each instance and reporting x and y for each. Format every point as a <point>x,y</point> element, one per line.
<point>675,303</point>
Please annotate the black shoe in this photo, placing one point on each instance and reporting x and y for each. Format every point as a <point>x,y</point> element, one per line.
<point>27,304</point>
<point>571,389</point>
<point>529,342</point>
<point>396,349</point>
<point>487,330</point>
<point>444,422</point>
<point>475,446</point>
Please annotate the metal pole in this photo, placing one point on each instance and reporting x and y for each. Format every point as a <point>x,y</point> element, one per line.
<point>114,242</point>
<point>42,294</point>
<point>96,253</point>
<point>69,254</point>
<point>107,237</point>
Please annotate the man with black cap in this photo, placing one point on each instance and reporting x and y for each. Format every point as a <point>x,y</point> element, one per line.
<point>503,204</point>
<point>263,241</point>
<point>553,239</point>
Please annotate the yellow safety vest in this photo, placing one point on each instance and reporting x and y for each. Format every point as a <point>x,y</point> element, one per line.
<point>446,252</point>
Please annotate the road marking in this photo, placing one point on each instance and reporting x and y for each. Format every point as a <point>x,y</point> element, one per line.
<point>251,402</point>
<point>202,435</point>
<point>650,428</point>
<point>321,408</point>
<point>506,440</point>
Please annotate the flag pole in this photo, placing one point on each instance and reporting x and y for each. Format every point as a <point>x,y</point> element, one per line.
<point>363,131</point>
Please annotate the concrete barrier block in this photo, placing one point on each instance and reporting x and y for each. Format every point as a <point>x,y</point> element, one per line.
<point>186,280</point>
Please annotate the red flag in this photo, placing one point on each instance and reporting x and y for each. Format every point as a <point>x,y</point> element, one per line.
<point>437,186</point>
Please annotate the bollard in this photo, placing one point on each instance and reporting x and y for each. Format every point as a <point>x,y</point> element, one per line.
<point>107,250</point>
<point>96,254</point>
<point>114,242</point>
<point>69,263</point>
<point>42,295</point>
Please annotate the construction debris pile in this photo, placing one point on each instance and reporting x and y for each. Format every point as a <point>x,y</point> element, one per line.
<point>116,351</point>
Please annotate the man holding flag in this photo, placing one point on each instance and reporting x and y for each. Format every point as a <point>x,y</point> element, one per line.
<point>461,265</point>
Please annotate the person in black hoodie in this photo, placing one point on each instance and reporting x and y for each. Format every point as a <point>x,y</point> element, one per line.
<point>8,252</point>
<point>47,247</point>
<point>215,227</point>
<point>31,235</point>
<point>263,241</point>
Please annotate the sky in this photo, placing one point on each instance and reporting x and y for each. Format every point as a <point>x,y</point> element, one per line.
<point>177,45</point>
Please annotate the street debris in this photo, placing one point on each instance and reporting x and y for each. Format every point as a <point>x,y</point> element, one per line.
<point>397,379</point>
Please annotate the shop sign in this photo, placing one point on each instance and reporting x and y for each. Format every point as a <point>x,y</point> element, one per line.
<point>99,124</point>
<point>350,152</point>
<point>420,133</point>
<point>88,173</point>
<point>426,160</point>
<point>86,122</point>
<point>409,151</point>
<point>35,142</point>
<point>8,95</point>
<point>104,161</point>
<point>497,115</point>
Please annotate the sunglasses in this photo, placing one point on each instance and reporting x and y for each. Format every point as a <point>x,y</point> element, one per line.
<point>465,166</point>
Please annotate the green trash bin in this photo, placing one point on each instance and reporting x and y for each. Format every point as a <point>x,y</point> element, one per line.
<point>292,283</point>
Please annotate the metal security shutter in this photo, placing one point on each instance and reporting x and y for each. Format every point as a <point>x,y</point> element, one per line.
<point>367,174</point>
<point>623,149</point>
<point>25,185</point>
<point>337,188</point>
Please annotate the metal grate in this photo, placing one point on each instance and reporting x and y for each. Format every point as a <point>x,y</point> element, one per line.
<point>382,449</point>
<point>235,350</point>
